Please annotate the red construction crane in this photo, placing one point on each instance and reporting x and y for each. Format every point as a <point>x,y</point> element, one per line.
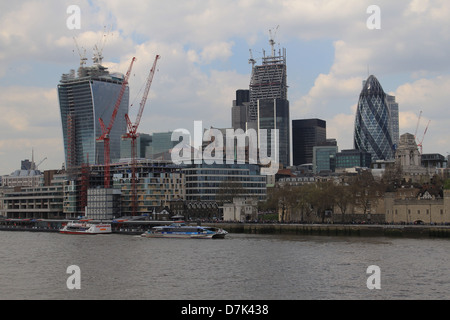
<point>132,134</point>
<point>107,130</point>
<point>417,126</point>
<point>421,141</point>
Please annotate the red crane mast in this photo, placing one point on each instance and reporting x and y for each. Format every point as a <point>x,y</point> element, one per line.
<point>132,134</point>
<point>107,130</point>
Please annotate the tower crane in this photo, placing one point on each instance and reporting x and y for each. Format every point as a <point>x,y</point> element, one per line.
<point>98,51</point>
<point>417,127</point>
<point>132,134</point>
<point>272,40</point>
<point>83,58</point>
<point>107,130</point>
<point>420,144</point>
<point>40,162</point>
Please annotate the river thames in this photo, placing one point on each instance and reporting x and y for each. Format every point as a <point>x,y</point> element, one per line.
<point>239,267</point>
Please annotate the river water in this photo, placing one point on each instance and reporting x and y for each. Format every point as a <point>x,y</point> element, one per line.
<point>240,267</point>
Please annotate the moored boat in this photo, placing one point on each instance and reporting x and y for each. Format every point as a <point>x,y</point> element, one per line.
<point>181,230</point>
<point>82,227</point>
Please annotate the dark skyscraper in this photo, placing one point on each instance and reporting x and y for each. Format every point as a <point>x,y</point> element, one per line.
<point>239,110</point>
<point>373,123</point>
<point>274,114</point>
<point>306,134</point>
<point>83,99</point>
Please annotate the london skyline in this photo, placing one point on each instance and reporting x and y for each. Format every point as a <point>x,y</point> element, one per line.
<point>204,50</point>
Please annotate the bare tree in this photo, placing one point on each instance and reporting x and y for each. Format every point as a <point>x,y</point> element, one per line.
<point>366,190</point>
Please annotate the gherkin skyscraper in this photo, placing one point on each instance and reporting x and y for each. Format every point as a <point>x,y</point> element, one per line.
<point>373,125</point>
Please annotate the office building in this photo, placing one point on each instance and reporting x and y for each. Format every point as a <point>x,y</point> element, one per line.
<point>84,99</point>
<point>273,114</point>
<point>40,202</point>
<point>324,158</point>
<point>306,134</point>
<point>161,143</point>
<point>268,81</point>
<point>214,182</point>
<point>393,109</point>
<point>433,161</point>
<point>239,110</point>
<point>373,124</point>
<point>143,143</point>
<point>353,158</point>
<point>103,204</point>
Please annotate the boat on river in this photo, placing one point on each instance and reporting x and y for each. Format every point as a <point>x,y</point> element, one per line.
<point>183,231</point>
<point>83,227</point>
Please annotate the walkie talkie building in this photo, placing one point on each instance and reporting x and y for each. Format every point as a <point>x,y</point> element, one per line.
<point>83,99</point>
<point>373,124</point>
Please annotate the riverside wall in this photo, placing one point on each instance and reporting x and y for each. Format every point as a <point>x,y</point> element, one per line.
<point>406,231</point>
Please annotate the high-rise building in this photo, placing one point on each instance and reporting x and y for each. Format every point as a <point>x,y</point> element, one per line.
<point>84,99</point>
<point>239,110</point>
<point>268,81</point>
<point>274,114</point>
<point>143,144</point>
<point>268,106</point>
<point>393,109</point>
<point>306,134</point>
<point>353,158</point>
<point>324,158</point>
<point>373,124</point>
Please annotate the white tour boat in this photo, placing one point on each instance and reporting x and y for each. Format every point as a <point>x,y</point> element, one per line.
<point>181,230</point>
<point>83,227</point>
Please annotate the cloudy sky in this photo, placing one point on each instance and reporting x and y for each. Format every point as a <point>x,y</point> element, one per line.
<point>204,47</point>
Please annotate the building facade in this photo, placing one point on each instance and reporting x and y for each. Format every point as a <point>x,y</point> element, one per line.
<point>84,99</point>
<point>44,202</point>
<point>324,159</point>
<point>409,159</point>
<point>268,81</point>
<point>273,114</point>
<point>23,178</point>
<point>373,123</point>
<point>306,133</point>
<point>353,158</point>
<point>143,143</point>
<point>216,182</point>
<point>395,125</point>
<point>240,109</point>
<point>103,204</point>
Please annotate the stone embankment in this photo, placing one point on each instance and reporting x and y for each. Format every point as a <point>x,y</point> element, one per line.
<point>407,231</point>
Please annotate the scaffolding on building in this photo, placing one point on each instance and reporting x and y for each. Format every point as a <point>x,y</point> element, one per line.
<point>268,81</point>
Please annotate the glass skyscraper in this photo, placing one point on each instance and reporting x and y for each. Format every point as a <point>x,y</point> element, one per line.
<point>274,114</point>
<point>83,99</point>
<point>393,108</point>
<point>373,123</point>
<point>307,133</point>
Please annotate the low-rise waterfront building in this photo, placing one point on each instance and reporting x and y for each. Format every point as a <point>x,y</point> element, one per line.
<point>33,203</point>
<point>23,178</point>
<point>209,182</point>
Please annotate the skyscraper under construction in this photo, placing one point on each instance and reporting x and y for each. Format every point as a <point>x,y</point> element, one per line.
<point>268,82</point>
<point>84,98</point>
<point>268,107</point>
